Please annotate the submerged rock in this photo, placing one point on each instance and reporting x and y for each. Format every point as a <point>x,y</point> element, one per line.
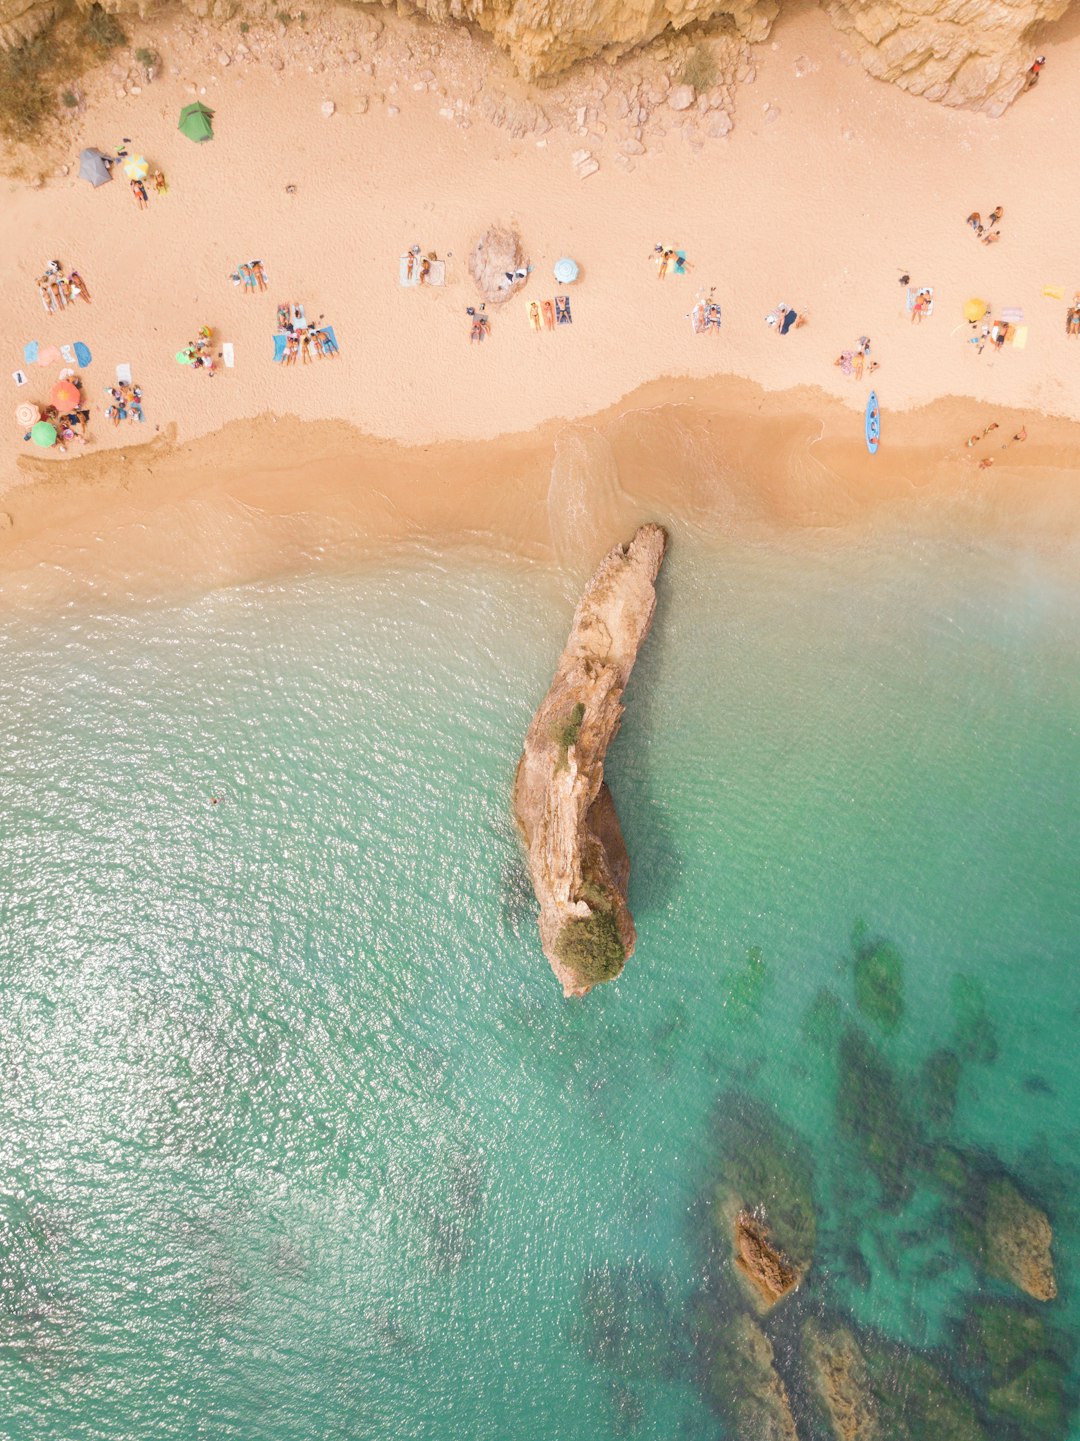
<point>742,1382</point>
<point>879,980</point>
<point>974,1035</point>
<point>577,858</point>
<point>837,1369</point>
<point>870,1109</point>
<point>1014,1358</point>
<point>1017,1241</point>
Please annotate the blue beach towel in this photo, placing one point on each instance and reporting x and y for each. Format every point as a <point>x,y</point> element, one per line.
<point>790,317</point>
<point>331,337</point>
<point>680,262</point>
<point>280,342</point>
<point>82,354</point>
<point>30,352</point>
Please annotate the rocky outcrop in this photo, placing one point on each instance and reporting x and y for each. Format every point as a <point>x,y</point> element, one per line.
<point>838,1371</point>
<point>961,52</point>
<point>746,1387</point>
<point>577,858</point>
<point>767,1270</point>
<point>1017,1241</point>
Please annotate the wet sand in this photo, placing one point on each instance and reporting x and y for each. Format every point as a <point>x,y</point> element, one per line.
<point>276,497</point>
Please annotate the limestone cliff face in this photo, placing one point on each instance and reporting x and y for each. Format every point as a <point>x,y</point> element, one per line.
<point>577,859</point>
<point>962,52</point>
<point>545,36</point>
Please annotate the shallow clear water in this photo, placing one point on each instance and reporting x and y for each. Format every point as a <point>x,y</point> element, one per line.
<point>299,1137</point>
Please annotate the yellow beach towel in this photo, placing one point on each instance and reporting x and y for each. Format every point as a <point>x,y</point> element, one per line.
<point>1054,292</point>
<point>1019,338</point>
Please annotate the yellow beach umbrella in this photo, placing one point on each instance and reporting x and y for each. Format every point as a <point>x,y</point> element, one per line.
<point>975,309</point>
<point>136,167</point>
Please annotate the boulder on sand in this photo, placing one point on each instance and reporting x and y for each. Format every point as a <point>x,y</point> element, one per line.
<point>496,255</point>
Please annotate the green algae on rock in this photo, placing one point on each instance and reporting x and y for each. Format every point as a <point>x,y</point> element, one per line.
<point>917,1400</point>
<point>1017,1364</point>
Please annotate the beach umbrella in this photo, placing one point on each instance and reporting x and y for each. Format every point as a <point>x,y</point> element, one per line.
<point>64,395</point>
<point>27,414</point>
<point>566,270</point>
<point>94,167</point>
<point>136,167</point>
<point>974,310</point>
<point>195,122</point>
<point>184,357</point>
<point>43,434</point>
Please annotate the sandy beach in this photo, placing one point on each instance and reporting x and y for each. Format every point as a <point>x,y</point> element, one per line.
<point>830,187</point>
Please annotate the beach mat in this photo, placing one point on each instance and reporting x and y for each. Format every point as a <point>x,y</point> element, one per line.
<point>1019,336</point>
<point>436,275</point>
<point>19,377</point>
<point>331,337</point>
<point>82,354</point>
<point>280,342</point>
<point>1054,292</point>
<point>30,352</point>
<point>228,355</point>
<point>123,374</point>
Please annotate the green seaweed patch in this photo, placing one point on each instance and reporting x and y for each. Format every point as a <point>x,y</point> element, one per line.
<point>823,1020</point>
<point>870,1109</point>
<point>974,1034</point>
<point>940,1085</point>
<point>879,981</point>
<point>748,985</point>
<point>918,1401</point>
<point>1021,1368</point>
<point>591,947</point>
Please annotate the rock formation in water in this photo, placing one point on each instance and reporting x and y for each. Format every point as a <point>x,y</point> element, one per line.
<point>767,1270</point>
<point>961,52</point>
<point>1017,1240</point>
<point>577,859</point>
<point>837,1368</point>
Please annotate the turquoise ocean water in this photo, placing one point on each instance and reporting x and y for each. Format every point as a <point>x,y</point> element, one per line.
<point>299,1139</point>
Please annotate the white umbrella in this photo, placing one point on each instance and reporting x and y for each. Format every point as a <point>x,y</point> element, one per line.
<point>566,270</point>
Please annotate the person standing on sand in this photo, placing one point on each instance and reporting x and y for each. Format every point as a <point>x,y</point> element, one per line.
<point>1032,77</point>
<point>975,221</point>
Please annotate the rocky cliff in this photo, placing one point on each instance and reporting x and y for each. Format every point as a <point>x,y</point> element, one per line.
<point>961,52</point>
<point>577,858</point>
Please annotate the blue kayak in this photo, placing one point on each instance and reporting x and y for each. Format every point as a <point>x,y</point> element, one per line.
<point>873,423</point>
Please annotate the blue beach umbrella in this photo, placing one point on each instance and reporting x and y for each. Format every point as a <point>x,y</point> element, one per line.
<point>566,270</point>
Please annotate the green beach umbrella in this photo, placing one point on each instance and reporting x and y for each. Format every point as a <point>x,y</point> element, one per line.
<point>195,122</point>
<point>43,433</point>
<point>183,357</point>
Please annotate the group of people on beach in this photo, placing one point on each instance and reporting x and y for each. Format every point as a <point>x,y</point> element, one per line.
<point>667,257</point>
<point>251,276</point>
<point>853,362</point>
<point>199,353</point>
<point>58,290</point>
<point>1072,316</point>
<point>305,340</point>
<point>784,318</point>
<point>988,233</point>
<point>705,315</point>
<point>125,403</point>
<point>418,265</point>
